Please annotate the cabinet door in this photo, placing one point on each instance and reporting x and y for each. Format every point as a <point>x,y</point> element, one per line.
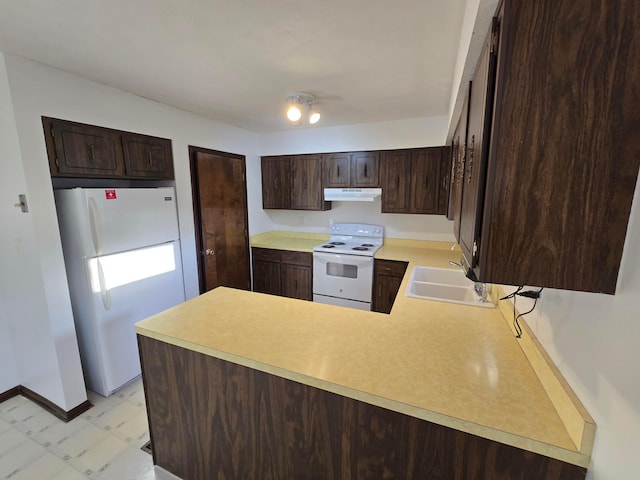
<point>365,169</point>
<point>395,167</point>
<point>336,170</point>
<point>425,180</point>
<point>458,152</point>
<point>296,281</point>
<point>306,183</point>
<point>148,157</point>
<point>474,178</point>
<point>266,277</point>
<point>276,182</point>
<point>387,278</point>
<point>445,180</point>
<point>80,150</point>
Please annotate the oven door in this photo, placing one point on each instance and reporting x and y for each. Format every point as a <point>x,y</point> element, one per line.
<point>343,276</point>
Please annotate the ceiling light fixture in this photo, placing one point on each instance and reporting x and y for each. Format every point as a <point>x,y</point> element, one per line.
<point>299,107</point>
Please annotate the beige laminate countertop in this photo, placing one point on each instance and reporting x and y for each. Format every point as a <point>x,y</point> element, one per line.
<point>453,365</point>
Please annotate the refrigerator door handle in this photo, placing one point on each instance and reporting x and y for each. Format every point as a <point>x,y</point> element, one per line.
<point>96,227</point>
<point>104,291</point>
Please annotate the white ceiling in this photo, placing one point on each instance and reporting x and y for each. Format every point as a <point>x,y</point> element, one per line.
<point>236,61</point>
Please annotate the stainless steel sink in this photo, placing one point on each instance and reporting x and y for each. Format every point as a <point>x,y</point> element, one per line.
<point>444,285</point>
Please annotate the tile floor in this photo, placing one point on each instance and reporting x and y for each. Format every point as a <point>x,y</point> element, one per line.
<point>101,444</point>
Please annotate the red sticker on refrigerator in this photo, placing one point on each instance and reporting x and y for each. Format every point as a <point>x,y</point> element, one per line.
<point>110,194</point>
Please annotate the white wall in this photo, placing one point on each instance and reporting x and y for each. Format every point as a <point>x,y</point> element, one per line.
<point>11,185</point>
<point>593,339</point>
<point>9,377</point>
<point>36,356</point>
<point>38,90</point>
<point>34,286</point>
<point>420,132</point>
<point>475,26</point>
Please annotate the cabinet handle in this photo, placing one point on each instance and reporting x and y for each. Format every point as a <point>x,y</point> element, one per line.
<point>91,151</point>
<point>149,156</point>
<point>295,285</point>
<point>338,171</point>
<point>426,182</point>
<point>471,153</point>
<point>276,184</point>
<point>445,183</point>
<point>454,165</point>
<point>365,170</point>
<point>462,161</point>
<point>397,182</point>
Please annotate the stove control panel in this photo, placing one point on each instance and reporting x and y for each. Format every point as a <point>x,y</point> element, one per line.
<point>357,230</point>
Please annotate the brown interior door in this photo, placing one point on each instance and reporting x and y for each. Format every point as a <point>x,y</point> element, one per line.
<point>220,209</point>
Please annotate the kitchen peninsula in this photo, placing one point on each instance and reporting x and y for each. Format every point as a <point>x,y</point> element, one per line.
<point>248,385</point>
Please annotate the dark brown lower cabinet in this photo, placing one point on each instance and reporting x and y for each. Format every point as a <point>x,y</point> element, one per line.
<point>282,272</point>
<point>296,274</point>
<point>210,418</point>
<point>387,277</point>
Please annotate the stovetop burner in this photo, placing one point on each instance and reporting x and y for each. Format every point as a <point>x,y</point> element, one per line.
<point>352,239</point>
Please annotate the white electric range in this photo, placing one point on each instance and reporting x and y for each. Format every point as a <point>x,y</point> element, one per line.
<point>343,266</point>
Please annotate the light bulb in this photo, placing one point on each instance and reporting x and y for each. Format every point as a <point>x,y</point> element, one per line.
<point>294,113</point>
<point>314,117</point>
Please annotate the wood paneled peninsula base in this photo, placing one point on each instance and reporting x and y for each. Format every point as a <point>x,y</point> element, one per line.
<point>211,418</point>
<point>243,385</point>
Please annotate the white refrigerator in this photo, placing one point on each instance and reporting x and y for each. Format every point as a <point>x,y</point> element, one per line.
<point>122,255</point>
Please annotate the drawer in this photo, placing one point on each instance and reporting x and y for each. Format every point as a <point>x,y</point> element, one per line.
<point>266,254</point>
<point>390,267</point>
<point>296,258</point>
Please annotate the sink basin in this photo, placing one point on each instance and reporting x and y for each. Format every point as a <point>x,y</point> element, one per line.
<point>441,276</point>
<point>444,285</point>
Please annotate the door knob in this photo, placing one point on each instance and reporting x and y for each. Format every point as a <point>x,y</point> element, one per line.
<point>209,251</point>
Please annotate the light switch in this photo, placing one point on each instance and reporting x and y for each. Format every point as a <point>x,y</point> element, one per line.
<point>23,203</point>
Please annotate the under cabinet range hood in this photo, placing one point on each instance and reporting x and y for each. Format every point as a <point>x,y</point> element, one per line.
<point>351,194</point>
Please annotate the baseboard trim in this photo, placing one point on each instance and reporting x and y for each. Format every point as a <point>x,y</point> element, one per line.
<point>48,405</point>
<point>12,392</point>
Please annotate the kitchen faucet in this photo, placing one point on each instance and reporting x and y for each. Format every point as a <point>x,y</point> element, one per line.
<point>479,287</point>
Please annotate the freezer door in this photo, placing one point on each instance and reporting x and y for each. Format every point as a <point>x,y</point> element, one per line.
<point>120,219</point>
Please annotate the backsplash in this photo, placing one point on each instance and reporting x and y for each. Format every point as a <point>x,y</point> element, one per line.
<point>420,227</point>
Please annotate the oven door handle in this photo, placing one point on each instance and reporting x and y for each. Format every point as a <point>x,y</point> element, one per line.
<point>344,259</point>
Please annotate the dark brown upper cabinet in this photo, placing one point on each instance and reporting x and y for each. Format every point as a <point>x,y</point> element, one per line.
<point>365,169</point>
<point>395,173</point>
<point>445,181</point>
<point>562,160</point>
<point>82,150</point>
<point>425,180</point>
<point>458,153</point>
<point>479,124</point>
<point>412,180</point>
<point>336,170</point>
<point>87,151</point>
<point>351,169</point>
<point>147,157</point>
<point>276,182</point>
<point>306,183</point>
<point>293,182</point>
